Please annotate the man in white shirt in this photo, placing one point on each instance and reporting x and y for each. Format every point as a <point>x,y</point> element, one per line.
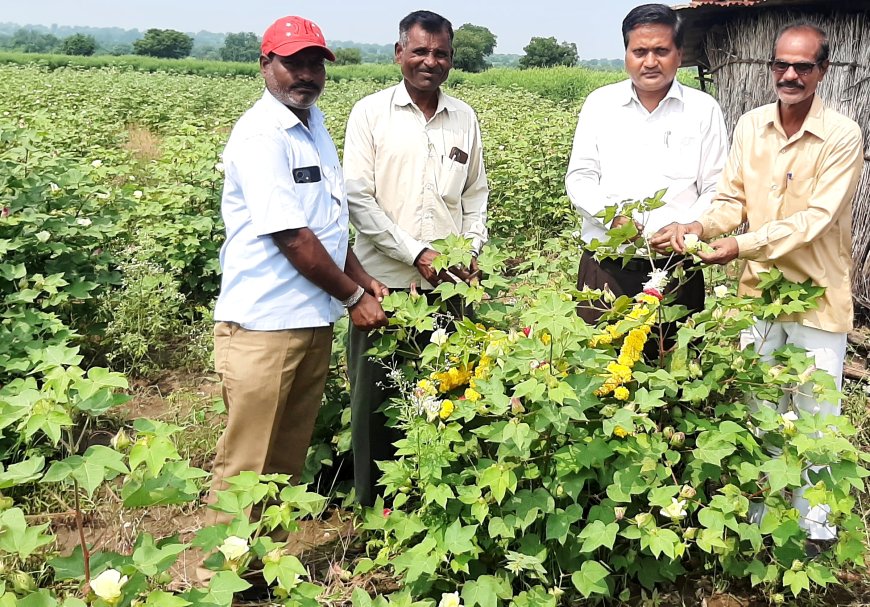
<point>413,164</point>
<point>640,136</point>
<point>286,265</point>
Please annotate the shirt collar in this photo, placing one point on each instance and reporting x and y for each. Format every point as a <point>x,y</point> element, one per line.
<point>813,123</point>
<point>285,116</point>
<point>403,99</point>
<point>630,95</point>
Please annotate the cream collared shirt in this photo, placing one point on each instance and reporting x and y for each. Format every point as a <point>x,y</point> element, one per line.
<point>404,190</point>
<point>623,152</point>
<point>796,193</point>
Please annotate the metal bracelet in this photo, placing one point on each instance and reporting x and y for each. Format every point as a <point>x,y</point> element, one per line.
<point>354,299</point>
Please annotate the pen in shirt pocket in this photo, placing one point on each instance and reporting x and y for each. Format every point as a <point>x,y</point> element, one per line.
<point>789,176</point>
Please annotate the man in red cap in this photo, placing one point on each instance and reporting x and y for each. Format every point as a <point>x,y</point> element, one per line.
<point>288,274</point>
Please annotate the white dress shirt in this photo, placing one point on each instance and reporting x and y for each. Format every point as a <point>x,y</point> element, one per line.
<point>260,289</point>
<point>403,187</point>
<point>624,152</point>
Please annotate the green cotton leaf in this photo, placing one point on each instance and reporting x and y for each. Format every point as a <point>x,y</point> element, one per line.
<point>419,560</point>
<point>591,579</point>
<point>439,494</point>
<point>781,473</point>
<point>659,541</point>
<point>360,598</point>
<point>159,598</point>
<point>598,534</point>
<point>712,448</point>
<point>23,472</point>
<point>796,581</point>
<point>57,356</point>
<point>174,485</point>
<point>153,452</point>
<point>485,591</point>
<point>559,523</point>
<point>151,559</point>
<point>41,598</point>
<point>223,585</point>
<point>497,527</point>
<point>820,574</point>
<point>458,539</point>
<point>499,478</point>
<point>72,567</point>
<point>288,570</point>
<point>17,538</point>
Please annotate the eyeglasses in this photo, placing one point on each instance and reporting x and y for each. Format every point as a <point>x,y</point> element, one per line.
<point>802,68</point>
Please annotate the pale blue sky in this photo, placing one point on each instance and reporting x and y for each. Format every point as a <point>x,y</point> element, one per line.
<point>594,25</point>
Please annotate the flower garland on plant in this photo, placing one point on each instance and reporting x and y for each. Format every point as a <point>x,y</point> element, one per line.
<point>644,311</point>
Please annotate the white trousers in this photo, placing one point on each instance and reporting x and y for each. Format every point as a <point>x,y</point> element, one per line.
<point>828,351</point>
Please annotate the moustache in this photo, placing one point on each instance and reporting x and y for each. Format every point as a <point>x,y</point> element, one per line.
<point>790,85</point>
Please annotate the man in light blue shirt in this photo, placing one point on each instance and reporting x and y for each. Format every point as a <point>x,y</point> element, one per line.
<point>288,274</point>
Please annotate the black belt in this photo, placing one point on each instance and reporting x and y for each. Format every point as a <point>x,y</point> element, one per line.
<point>641,264</point>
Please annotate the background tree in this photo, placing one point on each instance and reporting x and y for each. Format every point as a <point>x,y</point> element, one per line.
<point>546,52</point>
<point>348,56</point>
<point>472,45</point>
<point>170,44</point>
<point>244,46</point>
<point>79,44</point>
<point>30,41</point>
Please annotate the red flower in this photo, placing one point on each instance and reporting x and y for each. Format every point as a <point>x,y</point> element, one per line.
<point>654,292</point>
<point>527,331</point>
<point>387,512</point>
<point>5,212</point>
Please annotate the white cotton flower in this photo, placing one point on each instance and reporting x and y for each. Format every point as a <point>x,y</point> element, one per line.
<point>439,337</point>
<point>676,510</point>
<point>691,242</point>
<point>658,278</point>
<point>575,234</point>
<point>219,167</point>
<point>83,221</point>
<point>108,585</point>
<point>720,290</point>
<point>97,163</point>
<point>234,548</point>
<point>137,194</point>
<point>54,187</point>
<point>450,599</point>
<point>787,420</point>
<point>102,195</point>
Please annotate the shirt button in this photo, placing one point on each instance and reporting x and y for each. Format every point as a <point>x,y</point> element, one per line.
<point>774,187</point>
<point>427,216</point>
<point>428,186</point>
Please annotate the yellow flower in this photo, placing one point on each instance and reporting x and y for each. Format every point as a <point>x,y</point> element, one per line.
<point>621,393</point>
<point>620,432</point>
<point>452,378</point>
<point>427,387</point>
<point>650,300</point>
<point>472,395</point>
<point>447,409</point>
<point>620,373</point>
<point>546,339</point>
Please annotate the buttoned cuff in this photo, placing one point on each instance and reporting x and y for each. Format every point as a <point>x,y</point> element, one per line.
<point>748,245</point>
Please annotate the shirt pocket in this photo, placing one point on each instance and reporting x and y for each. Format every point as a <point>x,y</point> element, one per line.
<point>451,180</point>
<point>320,207</point>
<point>797,195</point>
<point>682,155</point>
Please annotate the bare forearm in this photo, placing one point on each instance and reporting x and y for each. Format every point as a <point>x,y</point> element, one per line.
<point>305,251</point>
<point>354,269</point>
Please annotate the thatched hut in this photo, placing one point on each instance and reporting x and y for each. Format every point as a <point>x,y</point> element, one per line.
<point>730,42</point>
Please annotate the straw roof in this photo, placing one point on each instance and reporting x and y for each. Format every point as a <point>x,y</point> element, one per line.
<point>734,44</point>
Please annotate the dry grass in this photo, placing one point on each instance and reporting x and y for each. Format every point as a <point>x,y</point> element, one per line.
<point>142,143</point>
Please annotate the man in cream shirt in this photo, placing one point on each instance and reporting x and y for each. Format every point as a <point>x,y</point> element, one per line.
<point>413,165</point>
<point>793,170</point>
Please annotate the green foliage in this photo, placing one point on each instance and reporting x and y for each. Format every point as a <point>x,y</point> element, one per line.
<point>472,44</point>
<point>168,44</point>
<point>525,465</point>
<point>31,41</point>
<point>546,52</point>
<point>243,47</point>
<point>79,44</point>
<point>348,56</point>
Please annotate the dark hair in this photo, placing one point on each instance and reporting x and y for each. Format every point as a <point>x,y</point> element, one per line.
<point>653,14</point>
<point>824,45</point>
<point>429,21</point>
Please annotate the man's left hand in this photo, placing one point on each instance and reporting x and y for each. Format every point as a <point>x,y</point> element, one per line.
<point>724,250</point>
<point>377,289</point>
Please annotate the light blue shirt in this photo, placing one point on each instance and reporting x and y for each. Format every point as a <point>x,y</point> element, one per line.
<point>260,288</point>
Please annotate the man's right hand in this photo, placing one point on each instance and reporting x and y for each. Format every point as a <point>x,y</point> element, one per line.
<point>452,274</point>
<point>671,237</point>
<point>367,314</point>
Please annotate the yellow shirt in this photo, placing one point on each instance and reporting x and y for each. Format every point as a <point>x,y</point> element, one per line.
<point>796,194</point>
<point>404,186</point>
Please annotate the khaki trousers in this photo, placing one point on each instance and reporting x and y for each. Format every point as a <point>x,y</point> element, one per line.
<point>273,384</point>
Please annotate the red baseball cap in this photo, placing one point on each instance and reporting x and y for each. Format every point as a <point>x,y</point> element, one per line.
<point>289,35</point>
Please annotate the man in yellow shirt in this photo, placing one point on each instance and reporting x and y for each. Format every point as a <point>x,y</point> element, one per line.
<point>792,172</point>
